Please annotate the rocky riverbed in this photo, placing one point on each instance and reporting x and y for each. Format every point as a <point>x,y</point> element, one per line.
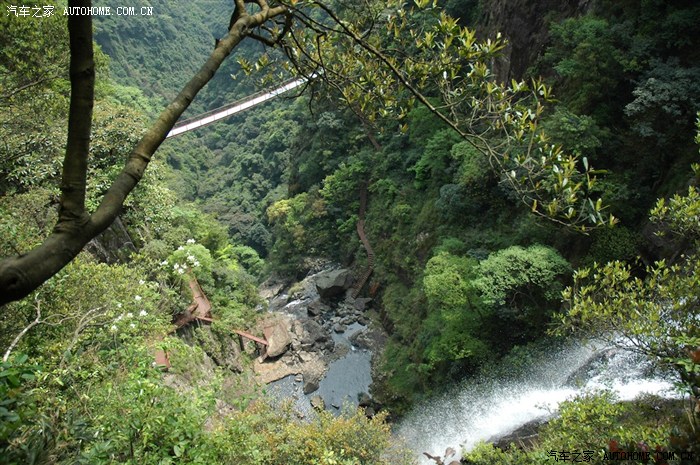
<point>321,342</point>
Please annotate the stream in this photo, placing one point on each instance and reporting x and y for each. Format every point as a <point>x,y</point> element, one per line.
<point>348,376</point>
<point>330,354</point>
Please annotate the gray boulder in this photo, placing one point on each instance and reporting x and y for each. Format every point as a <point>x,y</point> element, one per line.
<point>315,308</point>
<point>339,328</point>
<point>525,436</point>
<point>270,289</point>
<point>364,399</point>
<point>333,283</point>
<point>278,302</point>
<point>361,303</point>
<point>318,403</point>
<point>310,386</point>
<point>278,338</point>
<point>313,335</point>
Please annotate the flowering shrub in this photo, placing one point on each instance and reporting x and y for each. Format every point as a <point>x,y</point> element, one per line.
<point>190,257</point>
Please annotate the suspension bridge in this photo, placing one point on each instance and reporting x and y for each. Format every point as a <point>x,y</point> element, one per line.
<point>238,106</point>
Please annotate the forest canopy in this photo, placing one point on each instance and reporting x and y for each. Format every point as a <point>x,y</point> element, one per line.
<point>451,169</point>
<point>500,121</point>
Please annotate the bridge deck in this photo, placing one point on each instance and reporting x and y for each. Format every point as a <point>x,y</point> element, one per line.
<point>232,108</point>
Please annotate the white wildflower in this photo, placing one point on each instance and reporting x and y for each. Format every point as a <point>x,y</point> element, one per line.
<point>119,318</point>
<point>191,258</point>
<point>180,270</point>
<point>190,241</point>
<point>113,328</point>
<point>164,263</point>
<point>195,263</point>
<point>142,282</point>
<point>137,298</point>
<point>129,315</point>
<point>119,305</point>
<point>143,313</point>
<point>181,248</point>
<point>132,325</point>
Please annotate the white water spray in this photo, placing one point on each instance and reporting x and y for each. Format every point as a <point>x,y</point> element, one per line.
<point>491,408</point>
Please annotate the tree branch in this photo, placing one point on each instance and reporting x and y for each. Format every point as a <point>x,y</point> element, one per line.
<point>21,334</point>
<point>274,39</point>
<point>85,320</point>
<point>36,82</point>
<point>394,69</point>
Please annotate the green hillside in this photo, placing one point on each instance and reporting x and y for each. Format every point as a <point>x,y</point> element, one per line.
<point>501,218</point>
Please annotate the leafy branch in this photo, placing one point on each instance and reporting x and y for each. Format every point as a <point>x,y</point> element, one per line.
<point>423,54</point>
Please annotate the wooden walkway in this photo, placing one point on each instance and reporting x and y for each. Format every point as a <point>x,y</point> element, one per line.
<point>250,336</point>
<point>199,310</point>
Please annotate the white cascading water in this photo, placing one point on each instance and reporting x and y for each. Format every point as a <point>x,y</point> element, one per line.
<point>491,408</point>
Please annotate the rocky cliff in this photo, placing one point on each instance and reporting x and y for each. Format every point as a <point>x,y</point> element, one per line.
<point>525,24</point>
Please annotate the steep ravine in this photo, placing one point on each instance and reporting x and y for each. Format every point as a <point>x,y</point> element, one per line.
<point>327,364</point>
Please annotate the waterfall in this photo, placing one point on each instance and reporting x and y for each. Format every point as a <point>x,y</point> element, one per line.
<point>494,405</point>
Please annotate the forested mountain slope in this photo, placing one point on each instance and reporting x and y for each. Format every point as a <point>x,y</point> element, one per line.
<point>465,274</point>
<point>78,382</point>
<point>158,53</point>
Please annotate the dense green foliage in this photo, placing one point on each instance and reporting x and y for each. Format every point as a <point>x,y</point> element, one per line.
<point>587,428</point>
<point>158,53</point>
<point>627,78</point>
<point>80,384</point>
<point>463,274</point>
<point>655,315</point>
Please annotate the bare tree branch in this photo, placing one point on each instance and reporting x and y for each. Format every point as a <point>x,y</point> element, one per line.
<point>29,85</point>
<point>21,334</point>
<point>86,320</point>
